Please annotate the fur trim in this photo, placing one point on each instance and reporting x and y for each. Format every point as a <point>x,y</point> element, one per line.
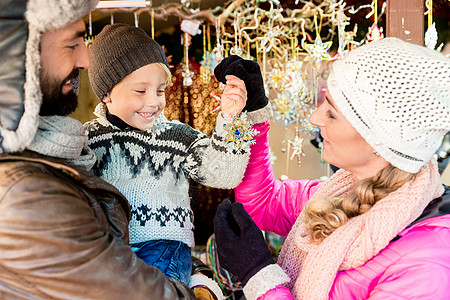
<point>261,115</point>
<point>54,14</point>
<point>42,15</point>
<point>204,281</point>
<point>265,280</point>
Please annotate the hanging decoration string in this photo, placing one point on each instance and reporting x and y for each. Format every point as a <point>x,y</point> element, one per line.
<point>376,11</point>
<point>205,71</point>
<point>136,20</point>
<point>429,5</point>
<point>431,35</point>
<point>208,33</point>
<point>152,18</point>
<point>222,276</point>
<point>89,38</point>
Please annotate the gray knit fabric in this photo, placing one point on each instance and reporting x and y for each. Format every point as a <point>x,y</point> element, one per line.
<point>63,137</point>
<point>151,168</point>
<point>117,51</point>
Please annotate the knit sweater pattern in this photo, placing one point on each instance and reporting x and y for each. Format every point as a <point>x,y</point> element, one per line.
<point>152,168</point>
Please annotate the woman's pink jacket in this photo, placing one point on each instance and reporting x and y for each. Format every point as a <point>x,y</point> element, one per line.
<point>415,266</point>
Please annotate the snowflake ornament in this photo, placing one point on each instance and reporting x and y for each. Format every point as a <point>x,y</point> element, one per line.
<point>239,133</point>
<point>277,79</point>
<point>306,125</point>
<point>318,51</point>
<point>285,111</point>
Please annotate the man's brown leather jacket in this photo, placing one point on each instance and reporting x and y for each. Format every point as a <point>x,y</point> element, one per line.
<point>64,235</point>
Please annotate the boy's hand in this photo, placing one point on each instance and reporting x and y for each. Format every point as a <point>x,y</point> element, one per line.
<point>234,96</point>
<point>250,72</point>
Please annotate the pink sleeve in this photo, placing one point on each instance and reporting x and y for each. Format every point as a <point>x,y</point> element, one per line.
<point>280,292</point>
<point>274,205</point>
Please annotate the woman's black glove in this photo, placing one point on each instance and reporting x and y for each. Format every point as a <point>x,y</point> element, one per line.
<point>240,243</point>
<point>250,73</point>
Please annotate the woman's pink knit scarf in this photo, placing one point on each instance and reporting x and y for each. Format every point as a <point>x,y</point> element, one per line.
<point>313,268</point>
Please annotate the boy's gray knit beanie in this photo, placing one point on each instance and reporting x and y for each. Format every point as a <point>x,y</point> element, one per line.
<point>117,51</point>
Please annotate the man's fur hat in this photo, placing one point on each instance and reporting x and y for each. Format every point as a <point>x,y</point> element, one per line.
<point>22,23</point>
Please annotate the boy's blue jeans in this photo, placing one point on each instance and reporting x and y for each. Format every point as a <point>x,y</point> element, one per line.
<point>173,258</point>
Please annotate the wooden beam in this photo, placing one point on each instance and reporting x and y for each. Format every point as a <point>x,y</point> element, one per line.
<point>405,20</point>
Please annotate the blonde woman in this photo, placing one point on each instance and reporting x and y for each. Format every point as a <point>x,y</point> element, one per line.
<point>380,227</point>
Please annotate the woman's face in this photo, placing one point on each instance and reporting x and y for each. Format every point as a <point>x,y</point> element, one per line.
<point>343,146</point>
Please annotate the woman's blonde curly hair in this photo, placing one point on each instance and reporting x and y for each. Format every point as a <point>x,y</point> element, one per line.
<point>324,216</point>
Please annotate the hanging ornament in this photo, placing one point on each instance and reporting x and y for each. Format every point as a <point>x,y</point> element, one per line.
<point>375,33</point>
<point>431,35</point>
<point>218,49</point>
<point>276,79</point>
<point>296,84</point>
<point>186,73</point>
<point>345,38</point>
<point>318,51</point>
<point>205,71</point>
<point>297,147</point>
<point>285,110</point>
<point>236,49</point>
<point>89,38</point>
<point>309,128</point>
<point>239,133</point>
<point>187,76</point>
<point>210,56</point>
<point>205,74</point>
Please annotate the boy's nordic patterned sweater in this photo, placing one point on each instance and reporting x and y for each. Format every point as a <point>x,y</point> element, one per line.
<point>151,168</point>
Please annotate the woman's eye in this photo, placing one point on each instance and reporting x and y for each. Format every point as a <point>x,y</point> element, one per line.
<point>140,91</point>
<point>72,47</point>
<point>330,115</point>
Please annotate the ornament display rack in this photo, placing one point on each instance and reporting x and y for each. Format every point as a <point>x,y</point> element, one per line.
<point>289,44</point>
<point>292,47</point>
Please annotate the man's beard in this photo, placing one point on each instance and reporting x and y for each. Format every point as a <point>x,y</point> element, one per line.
<point>54,102</point>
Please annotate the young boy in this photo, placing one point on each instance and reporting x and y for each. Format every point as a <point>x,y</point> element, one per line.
<point>150,159</point>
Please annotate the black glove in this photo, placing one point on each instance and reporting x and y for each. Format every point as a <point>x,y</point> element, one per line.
<point>240,243</point>
<point>250,73</point>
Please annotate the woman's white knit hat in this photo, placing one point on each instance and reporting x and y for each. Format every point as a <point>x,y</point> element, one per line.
<point>397,96</point>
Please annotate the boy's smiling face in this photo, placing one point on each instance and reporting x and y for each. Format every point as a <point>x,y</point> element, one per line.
<point>140,97</point>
